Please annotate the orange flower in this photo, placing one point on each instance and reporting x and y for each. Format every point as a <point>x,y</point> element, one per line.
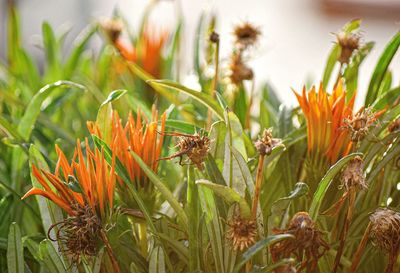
<point>325,116</point>
<point>89,182</point>
<point>147,52</point>
<point>138,136</point>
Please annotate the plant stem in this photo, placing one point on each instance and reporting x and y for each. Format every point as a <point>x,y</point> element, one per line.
<point>257,189</point>
<point>360,249</point>
<point>345,229</point>
<point>143,238</point>
<point>110,251</point>
<point>339,76</point>
<point>214,83</point>
<point>392,261</point>
<point>192,203</point>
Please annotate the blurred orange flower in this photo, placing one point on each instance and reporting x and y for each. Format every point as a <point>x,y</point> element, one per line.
<point>147,52</point>
<point>325,116</point>
<point>89,182</point>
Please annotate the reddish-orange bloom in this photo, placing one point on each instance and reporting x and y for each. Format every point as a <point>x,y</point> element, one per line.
<point>325,116</point>
<point>89,182</point>
<point>147,52</point>
<point>139,136</point>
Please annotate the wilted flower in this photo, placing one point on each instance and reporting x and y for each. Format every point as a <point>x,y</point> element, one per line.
<point>307,246</point>
<point>214,37</point>
<point>358,125</point>
<point>195,147</point>
<point>394,126</point>
<point>238,70</point>
<point>353,174</point>
<point>241,233</point>
<point>348,43</point>
<point>385,229</point>
<point>112,28</point>
<point>84,189</point>
<point>246,35</point>
<point>266,142</point>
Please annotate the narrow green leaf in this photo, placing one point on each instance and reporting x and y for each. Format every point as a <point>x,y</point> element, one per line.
<point>326,182</point>
<point>15,250</point>
<point>202,97</point>
<point>271,267</point>
<point>51,259</point>
<point>257,247</point>
<point>157,261</point>
<point>166,193</point>
<point>229,195</point>
<point>381,68</point>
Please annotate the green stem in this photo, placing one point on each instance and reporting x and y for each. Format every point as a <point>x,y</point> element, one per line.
<point>214,83</point>
<point>143,238</point>
<point>193,215</point>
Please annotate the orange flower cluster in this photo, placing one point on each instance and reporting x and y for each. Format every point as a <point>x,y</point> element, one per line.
<point>325,116</point>
<point>93,185</point>
<point>147,52</point>
<point>137,136</point>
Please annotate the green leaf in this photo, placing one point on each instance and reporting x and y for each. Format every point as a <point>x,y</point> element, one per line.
<point>257,247</point>
<point>157,261</point>
<point>15,250</point>
<point>381,68</point>
<point>330,64</point>
<point>50,257</point>
<point>104,115</point>
<point>202,97</point>
<point>181,126</point>
<point>229,195</point>
<point>326,182</point>
<point>33,109</point>
<point>386,99</point>
<point>51,49</point>
<point>80,45</point>
<point>166,193</point>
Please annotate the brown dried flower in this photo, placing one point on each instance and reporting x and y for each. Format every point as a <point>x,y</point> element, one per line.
<point>358,125</point>
<point>79,234</point>
<point>214,37</point>
<point>246,35</point>
<point>353,174</point>
<point>307,246</point>
<point>348,42</point>
<point>394,126</point>
<point>112,28</point>
<point>385,229</point>
<point>195,147</point>
<point>242,233</point>
<point>266,142</point>
<point>239,71</point>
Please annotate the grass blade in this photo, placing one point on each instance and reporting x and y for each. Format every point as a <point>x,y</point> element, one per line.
<point>15,250</point>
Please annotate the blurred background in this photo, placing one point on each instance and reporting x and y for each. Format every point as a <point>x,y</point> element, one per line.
<point>297,35</point>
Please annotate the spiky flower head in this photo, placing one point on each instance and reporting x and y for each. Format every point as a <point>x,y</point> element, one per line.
<point>195,147</point>
<point>308,243</point>
<point>266,142</point>
<point>242,233</point>
<point>385,229</point>
<point>353,175</point>
<point>359,124</point>
<point>238,70</point>
<point>246,35</point>
<point>348,43</point>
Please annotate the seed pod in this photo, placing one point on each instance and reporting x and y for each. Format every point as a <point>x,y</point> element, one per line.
<point>241,233</point>
<point>266,142</point>
<point>246,35</point>
<point>353,174</point>
<point>348,42</point>
<point>385,229</point>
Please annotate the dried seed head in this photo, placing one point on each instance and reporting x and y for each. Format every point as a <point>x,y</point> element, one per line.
<point>242,233</point>
<point>214,37</point>
<point>353,174</point>
<point>246,35</point>
<point>394,126</point>
<point>112,28</point>
<point>359,124</point>
<point>385,229</point>
<point>195,147</point>
<point>79,234</point>
<point>308,242</point>
<point>348,42</point>
<point>239,71</point>
<point>266,142</point>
